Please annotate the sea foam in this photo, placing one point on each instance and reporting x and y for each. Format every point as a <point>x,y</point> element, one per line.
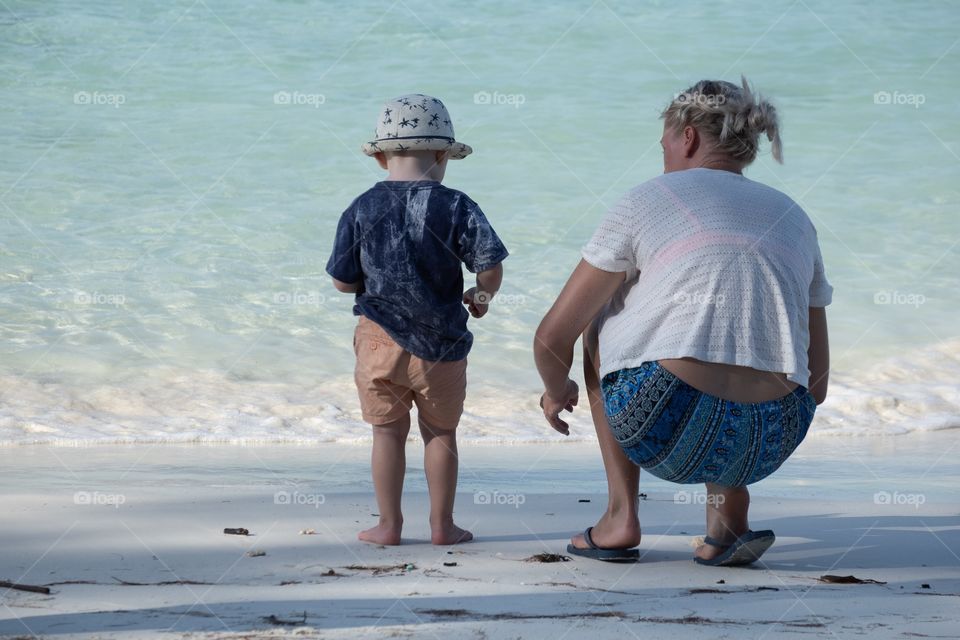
<point>907,394</point>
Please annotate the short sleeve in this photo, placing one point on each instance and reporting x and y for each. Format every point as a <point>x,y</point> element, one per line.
<point>611,248</point>
<point>821,293</point>
<point>344,262</point>
<point>478,245</point>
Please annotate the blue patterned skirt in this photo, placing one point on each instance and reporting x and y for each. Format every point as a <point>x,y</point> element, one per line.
<point>683,435</point>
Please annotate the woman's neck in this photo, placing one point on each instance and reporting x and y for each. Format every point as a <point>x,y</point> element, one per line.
<point>721,164</point>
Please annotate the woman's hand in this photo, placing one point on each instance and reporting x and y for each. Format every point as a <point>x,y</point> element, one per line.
<point>553,405</point>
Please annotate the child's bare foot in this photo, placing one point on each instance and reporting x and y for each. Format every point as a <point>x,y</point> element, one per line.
<point>381,534</point>
<point>450,534</point>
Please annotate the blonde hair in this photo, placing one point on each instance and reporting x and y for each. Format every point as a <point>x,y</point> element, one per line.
<point>732,117</point>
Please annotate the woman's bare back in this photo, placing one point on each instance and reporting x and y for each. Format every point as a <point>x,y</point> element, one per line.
<point>730,382</point>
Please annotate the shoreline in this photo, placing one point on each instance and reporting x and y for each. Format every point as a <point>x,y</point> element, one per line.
<point>824,465</point>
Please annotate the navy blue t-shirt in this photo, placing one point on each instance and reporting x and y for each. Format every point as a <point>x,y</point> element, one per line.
<point>405,242</point>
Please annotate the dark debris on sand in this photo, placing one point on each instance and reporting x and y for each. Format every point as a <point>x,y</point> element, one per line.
<point>378,570</point>
<point>272,619</point>
<point>238,531</point>
<point>746,590</point>
<point>547,557</point>
<point>831,579</point>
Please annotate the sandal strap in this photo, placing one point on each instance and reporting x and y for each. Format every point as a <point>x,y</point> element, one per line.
<point>713,542</point>
<point>588,539</point>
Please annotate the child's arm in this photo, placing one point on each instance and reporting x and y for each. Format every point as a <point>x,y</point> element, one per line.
<point>478,298</point>
<point>344,287</point>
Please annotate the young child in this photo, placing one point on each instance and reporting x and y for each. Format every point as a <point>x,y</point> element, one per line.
<point>399,248</point>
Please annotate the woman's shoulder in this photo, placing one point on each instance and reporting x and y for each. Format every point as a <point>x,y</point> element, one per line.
<point>689,181</point>
<point>695,188</point>
<point>656,199</point>
<point>647,194</point>
<point>688,189</point>
<point>783,205</point>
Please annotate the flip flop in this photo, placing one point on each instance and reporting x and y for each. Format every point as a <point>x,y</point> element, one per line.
<point>597,553</point>
<point>746,549</point>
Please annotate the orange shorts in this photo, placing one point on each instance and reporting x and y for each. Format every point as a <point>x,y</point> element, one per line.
<point>390,380</point>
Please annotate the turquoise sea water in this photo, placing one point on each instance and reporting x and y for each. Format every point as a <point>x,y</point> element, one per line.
<point>172,173</point>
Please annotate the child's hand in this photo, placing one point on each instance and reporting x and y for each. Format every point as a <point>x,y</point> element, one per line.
<point>478,302</point>
<point>553,406</point>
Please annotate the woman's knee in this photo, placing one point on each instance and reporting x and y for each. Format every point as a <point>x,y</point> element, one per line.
<point>713,488</point>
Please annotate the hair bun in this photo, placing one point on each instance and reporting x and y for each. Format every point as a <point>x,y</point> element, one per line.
<point>732,115</point>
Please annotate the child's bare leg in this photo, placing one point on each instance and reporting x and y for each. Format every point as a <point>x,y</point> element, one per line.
<point>389,463</point>
<point>726,517</point>
<point>440,463</point>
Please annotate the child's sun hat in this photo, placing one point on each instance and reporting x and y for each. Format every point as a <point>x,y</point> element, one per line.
<point>416,122</point>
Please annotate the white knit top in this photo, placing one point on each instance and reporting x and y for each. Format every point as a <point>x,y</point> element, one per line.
<point>719,268</point>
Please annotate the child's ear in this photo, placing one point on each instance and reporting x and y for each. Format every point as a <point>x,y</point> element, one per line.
<point>441,156</point>
<point>381,159</point>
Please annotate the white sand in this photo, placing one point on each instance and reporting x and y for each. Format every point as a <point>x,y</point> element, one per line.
<point>168,530</point>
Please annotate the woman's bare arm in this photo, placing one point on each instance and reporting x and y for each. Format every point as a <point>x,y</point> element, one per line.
<point>818,354</point>
<point>582,298</point>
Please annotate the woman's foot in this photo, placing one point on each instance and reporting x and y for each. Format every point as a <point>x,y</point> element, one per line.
<point>747,549</point>
<point>449,533</point>
<point>710,551</point>
<point>383,533</point>
<point>612,532</point>
<point>726,518</point>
